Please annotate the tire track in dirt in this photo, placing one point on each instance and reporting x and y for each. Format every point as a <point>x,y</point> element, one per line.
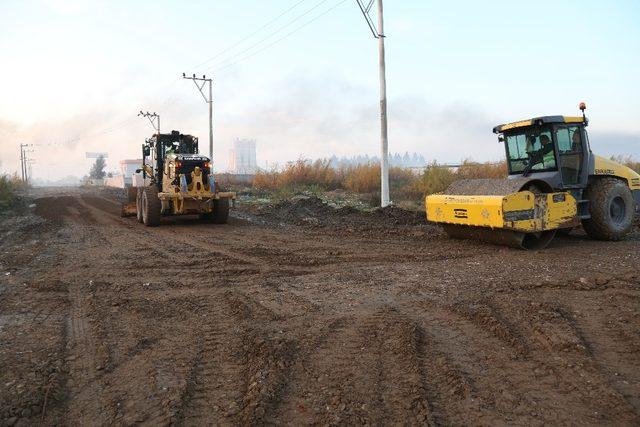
<point>595,346</point>
<point>428,344</point>
<point>486,317</point>
<point>385,384</point>
<point>550,328</point>
<point>493,378</point>
<point>183,251</point>
<point>238,374</point>
<point>279,258</point>
<point>86,358</point>
<point>191,238</point>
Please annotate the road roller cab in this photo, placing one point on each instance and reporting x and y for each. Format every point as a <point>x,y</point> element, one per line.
<point>555,183</point>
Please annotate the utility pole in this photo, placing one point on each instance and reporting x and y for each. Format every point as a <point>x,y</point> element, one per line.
<point>25,161</point>
<point>153,118</point>
<point>208,100</point>
<point>22,161</point>
<point>378,33</point>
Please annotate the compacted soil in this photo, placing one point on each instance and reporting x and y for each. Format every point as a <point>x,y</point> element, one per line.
<point>298,313</point>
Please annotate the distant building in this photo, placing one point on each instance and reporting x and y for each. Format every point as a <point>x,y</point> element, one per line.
<point>128,168</point>
<point>127,174</point>
<point>242,157</point>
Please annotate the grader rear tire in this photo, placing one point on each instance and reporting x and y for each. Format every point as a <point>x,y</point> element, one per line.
<point>611,208</point>
<point>151,207</point>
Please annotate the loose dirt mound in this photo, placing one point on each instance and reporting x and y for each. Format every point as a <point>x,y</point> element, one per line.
<point>313,211</point>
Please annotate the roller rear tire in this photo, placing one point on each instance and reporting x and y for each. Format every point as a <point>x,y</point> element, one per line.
<point>611,207</point>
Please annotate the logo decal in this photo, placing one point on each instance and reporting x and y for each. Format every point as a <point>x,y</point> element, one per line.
<point>460,213</point>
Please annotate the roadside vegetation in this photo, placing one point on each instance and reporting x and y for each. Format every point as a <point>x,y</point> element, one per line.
<point>10,185</point>
<point>406,184</point>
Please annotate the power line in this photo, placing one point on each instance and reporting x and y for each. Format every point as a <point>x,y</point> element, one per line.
<point>228,48</point>
<point>239,42</point>
<point>281,38</point>
<point>294,20</point>
<point>121,124</point>
<point>168,99</point>
<point>117,126</point>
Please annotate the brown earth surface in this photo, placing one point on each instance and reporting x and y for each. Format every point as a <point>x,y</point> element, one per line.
<point>298,313</point>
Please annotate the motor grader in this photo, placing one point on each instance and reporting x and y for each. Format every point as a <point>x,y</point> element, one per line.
<point>555,183</point>
<point>177,181</point>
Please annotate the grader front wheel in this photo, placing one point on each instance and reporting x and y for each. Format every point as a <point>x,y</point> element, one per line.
<point>219,214</point>
<point>220,211</point>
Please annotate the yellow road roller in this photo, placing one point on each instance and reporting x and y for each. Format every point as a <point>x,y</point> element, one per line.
<point>555,183</point>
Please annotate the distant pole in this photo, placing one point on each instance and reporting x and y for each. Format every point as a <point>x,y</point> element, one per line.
<point>22,162</point>
<point>153,118</point>
<point>378,33</point>
<point>208,100</point>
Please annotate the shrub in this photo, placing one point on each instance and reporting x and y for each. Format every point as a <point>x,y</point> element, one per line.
<point>364,178</point>
<point>9,186</point>
<point>435,179</point>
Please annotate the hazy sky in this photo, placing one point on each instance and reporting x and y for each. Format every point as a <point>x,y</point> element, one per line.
<point>75,73</point>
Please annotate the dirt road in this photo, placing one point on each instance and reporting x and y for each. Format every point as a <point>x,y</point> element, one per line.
<point>324,317</point>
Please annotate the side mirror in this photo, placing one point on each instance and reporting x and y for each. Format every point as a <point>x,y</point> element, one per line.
<point>501,138</point>
<point>138,170</point>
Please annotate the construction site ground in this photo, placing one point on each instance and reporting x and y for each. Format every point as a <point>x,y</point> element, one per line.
<point>299,313</point>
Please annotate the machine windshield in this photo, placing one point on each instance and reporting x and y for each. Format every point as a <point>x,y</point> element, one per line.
<point>530,149</point>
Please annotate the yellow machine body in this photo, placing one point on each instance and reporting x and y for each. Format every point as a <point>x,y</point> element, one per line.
<point>570,187</point>
<point>523,211</point>
<point>604,166</point>
<point>195,197</point>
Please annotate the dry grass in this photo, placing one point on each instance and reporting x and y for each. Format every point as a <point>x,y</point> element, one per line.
<point>9,187</point>
<point>405,183</point>
<point>475,170</point>
<point>628,161</point>
<point>301,173</point>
